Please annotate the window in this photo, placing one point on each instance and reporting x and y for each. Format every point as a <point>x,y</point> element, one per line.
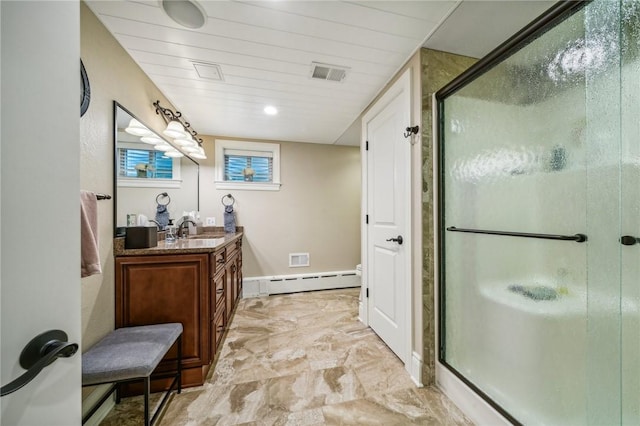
<point>142,163</point>
<point>247,165</point>
<point>140,167</point>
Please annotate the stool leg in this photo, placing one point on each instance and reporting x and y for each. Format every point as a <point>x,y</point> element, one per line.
<point>147,390</point>
<point>180,363</point>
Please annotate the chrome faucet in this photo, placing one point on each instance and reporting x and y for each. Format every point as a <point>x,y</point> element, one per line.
<point>157,224</point>
<point>182,227</point>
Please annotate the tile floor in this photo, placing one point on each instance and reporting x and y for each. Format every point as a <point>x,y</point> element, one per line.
<point>301,359</point>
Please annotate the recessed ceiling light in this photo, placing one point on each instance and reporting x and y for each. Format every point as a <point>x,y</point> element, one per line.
<point>185,12</point>
<point>270,110</point>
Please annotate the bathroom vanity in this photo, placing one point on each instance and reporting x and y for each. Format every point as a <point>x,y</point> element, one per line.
<point>195,281</point>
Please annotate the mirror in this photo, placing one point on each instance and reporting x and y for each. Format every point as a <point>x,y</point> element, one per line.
<point>142,173</point>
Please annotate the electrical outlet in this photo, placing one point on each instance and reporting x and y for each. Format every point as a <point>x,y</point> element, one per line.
<point>210,221</point>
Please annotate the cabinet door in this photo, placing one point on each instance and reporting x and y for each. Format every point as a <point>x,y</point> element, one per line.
<point>239,277</point>
<point>217,293</point>
<point>161,289</point>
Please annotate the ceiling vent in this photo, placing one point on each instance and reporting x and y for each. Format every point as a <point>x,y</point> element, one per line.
<point>328,72</point>
<point>208,71</point>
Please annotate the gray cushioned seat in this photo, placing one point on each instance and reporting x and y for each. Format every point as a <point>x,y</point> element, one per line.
<point>127,353</point>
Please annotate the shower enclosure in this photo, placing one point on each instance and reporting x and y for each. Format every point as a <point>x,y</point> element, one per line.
<point>539,150</point>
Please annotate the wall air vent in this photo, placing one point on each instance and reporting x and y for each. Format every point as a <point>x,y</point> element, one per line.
<point>328,72</point>
<point>297,260</point>
<point>208,71</point>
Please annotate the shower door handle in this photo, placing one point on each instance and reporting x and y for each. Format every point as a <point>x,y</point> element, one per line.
<point>629,240</point>
<point>398,240</point>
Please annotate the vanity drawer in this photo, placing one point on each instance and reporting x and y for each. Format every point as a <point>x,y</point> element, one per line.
<point>218,330</point>
<point>218,260</point>
<point>230,250</point>
<point>217,295</point>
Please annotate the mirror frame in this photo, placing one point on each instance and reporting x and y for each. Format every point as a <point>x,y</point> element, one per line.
<point>117,105</point>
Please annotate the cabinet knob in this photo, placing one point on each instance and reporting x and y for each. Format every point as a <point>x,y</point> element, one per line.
<point>219,291</point>
<point>220,327</point>
<point>220,261</point>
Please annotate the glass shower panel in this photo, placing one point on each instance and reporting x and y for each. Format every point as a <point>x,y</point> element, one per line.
<point>630,207</point>
<point>603,136</point>
<point>514,160</point>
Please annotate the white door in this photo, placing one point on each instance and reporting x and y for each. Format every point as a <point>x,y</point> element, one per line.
<point>387,264</point>
<point>39,201</point>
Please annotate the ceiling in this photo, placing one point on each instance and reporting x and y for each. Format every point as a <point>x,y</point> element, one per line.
<point>265,51</point>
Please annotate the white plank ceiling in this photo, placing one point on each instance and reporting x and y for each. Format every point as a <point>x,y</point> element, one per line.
<point>265,50</point>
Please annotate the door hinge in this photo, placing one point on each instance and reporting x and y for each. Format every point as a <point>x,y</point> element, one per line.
<point>366,219</point>
<point>366,146</point>
<point>367,292</point>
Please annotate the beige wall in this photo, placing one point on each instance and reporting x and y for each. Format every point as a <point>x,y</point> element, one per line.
<point>113,76</point>
<point>316,210</point>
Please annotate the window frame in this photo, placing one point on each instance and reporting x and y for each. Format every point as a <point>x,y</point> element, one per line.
<point>224,144</point>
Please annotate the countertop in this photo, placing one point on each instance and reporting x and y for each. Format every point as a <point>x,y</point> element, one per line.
<point>201,243</point>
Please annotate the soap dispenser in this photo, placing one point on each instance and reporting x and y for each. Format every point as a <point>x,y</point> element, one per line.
<point>170,235</point>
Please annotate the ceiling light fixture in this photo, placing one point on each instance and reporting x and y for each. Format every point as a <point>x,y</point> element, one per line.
<point>187,13</point>
<point>181,132</point>
<point>270,110</point>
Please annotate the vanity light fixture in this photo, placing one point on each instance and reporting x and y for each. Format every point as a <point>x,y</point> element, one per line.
<point>199,155</point>
<point>163,147</point>
<point>174,153</point>
<point>151,140</point>
<point>136,128</point>
<point>181,132</point>
<point>174,129</point>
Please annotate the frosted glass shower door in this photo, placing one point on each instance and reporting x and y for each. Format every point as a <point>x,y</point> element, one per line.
<point>630,217</point>
<point>540,180</point>
<point>613,213</point>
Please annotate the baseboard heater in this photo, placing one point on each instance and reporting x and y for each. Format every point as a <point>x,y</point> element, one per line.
<point>281,284</point>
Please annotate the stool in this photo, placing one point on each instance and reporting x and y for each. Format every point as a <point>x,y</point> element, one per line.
<point>131,354</point>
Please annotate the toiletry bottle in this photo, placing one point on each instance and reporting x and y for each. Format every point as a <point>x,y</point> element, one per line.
<point>170,236</point>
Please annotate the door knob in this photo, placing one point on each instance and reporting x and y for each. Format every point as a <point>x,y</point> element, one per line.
<point>397,240</point>
<point>629,240</point>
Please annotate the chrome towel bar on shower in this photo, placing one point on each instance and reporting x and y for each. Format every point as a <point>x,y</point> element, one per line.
<point>578,238</point>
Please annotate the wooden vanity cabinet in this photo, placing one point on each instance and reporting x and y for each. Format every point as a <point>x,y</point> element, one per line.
<point>199,290</point>
<point>168,288</point>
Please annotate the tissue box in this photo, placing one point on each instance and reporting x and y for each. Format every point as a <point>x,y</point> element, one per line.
<point>141,237</point>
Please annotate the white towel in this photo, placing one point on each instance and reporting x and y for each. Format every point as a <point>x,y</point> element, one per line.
<point>90,257</point>
<point>143,220</point>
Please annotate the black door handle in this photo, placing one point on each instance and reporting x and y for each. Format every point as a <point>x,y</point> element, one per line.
<point>396,240</point>
<point>629,240</point>
<point>41,351</point>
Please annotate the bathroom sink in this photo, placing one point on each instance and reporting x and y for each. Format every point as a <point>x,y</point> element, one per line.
<point>205,236</point>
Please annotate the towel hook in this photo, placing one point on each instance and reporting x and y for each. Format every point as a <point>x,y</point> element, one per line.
<point>163,195</point>
<point>233,200</point>
<point>411,131</point>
